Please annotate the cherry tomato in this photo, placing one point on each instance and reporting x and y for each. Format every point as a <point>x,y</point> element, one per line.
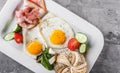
<point>18,38</point>
<point>73,44</point>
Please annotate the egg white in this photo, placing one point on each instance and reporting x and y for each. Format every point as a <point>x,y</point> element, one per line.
<point>51,23</point>
<point>30,35</point>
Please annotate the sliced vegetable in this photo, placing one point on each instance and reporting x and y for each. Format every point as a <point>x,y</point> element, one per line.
<point>51,51</point>
<point>83,48</point>
<point>9,36</point>
<point>73,44</point>
<point>18,38</point>
<point>52,60</point>
<point>17,28</point>
<point>82,38</point>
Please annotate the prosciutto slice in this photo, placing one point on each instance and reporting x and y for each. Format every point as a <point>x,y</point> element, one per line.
<point>30,15</point>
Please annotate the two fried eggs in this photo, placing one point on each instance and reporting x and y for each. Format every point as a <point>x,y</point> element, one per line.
<point>52,32</point>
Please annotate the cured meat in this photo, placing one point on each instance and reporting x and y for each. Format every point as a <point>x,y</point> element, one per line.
<point>30,15</point>
<point>39,3</point>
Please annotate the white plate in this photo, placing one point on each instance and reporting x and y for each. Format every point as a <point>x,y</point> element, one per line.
<point>14,51</point>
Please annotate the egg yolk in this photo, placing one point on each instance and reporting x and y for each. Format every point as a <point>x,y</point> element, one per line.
<point>34,47</point>
<point>57,37</point>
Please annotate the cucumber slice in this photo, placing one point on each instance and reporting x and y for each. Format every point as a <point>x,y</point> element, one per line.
<point>9,36</point>
<point>17,28</point>
<point>83,48</point>
<point>82,38</point>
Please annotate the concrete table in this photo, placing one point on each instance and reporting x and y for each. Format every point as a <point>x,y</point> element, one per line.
<point>104,14</point>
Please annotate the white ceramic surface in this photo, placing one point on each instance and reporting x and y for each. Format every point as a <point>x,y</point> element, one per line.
<point>15,51</point>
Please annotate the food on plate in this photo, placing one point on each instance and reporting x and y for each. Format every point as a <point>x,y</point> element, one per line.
<point>51,51</point>
<point>58,31</point>
<point>73,44</point>
<point>57,37</point>
<point>46,59</point>
<point>83,48</point>
<point>30,15</point>
<point>52,60</point>
<point>70,62</point>
<point>17,28</point>
<point>18,37</point>
<point>15,34</point>
<point>33,42</point>
<point>37,3</point>
<point>34,47</point>
<point>82,38</point>
<point>9,36</point>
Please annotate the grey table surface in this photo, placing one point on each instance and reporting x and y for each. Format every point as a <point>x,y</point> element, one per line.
<point>104,14</point>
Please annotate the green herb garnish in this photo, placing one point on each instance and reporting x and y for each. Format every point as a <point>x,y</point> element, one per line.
<point>44,59</point>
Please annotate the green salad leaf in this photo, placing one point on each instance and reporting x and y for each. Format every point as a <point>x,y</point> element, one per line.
<point>17,28</point>
<point>44,59</point>
<point>45,62</point>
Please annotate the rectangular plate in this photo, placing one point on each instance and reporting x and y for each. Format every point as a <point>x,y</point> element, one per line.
<point>15,51</point>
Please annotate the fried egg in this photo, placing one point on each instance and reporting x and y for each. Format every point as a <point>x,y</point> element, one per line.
<point>55,31</point>
<point>33,42</point>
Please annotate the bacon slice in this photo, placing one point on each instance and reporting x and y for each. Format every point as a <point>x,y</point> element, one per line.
<point>40,4</point>
<point>30,16</point>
